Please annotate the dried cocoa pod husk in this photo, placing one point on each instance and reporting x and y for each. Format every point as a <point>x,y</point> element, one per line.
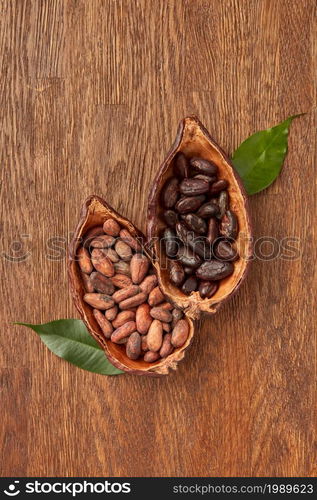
<point>94,214</point>
<point>194,141</point>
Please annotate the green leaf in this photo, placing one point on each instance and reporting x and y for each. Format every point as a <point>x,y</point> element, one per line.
<point>259,159</point>
<point>70,340</point>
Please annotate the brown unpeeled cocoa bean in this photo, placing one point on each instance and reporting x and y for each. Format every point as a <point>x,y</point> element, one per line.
<point>150,356</point>
<point>121,280</point>
<point>125,293</point>
<point>166,327</point>
<point>102,263</point>
<point>155,297</point>
<point>111,227</point>
<point>133,301</point>
<point>143,318</point>
<point>99,301</point>
<point>91,234</point>
<point>133,348</point>
<point>123,250</point>
<point>132,242</point>
<point>139,267</point>
<point>177,315</point>
<point>123,331</point>
<point>84,261</point>
<point>180,333</point>
<point>122,267</point>
<point>112,255</point>
<point>103,241</point>
<point>167,347</point>
<point>148,284</point>
<point>144,346</point>
<point>101,283</point>
<point>122,318</point>
<point>104,324</point>
<point>161,314</point>
<point>111,313</point>
<point>167,306</point>
<point>155,336</point>
<point>87,285</point>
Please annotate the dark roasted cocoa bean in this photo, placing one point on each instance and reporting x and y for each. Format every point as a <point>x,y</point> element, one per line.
<point>224,250</point>
<point>207,289</point>
<point>214,270</point>
<point>170,217</point>
<point>229,225</point>
<point>203,166</point>
<point>209,209</point>
<point>213,231</point>
<point>189,270</point>
<point>205,178</point>
<point>170,192</point>
<point>197,244</point>
<point>188,258</point>
<point>171,242</point>
<point>133,347</point>
<point>195,223</point>
<point>193,187</point>
<point>223,203</point>
<point>101,283</point>
<point>188,204</point>
<point>177,273</point>
<point>190,285</point>
<point>180,167</point>
<point>218,186</point>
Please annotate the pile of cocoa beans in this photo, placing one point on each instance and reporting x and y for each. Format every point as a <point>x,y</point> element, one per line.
<point>200,227</point>
<point>123,291</point>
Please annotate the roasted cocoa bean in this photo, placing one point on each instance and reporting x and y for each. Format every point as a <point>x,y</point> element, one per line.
<point>189,270</point>
<point>188,204</point>
<point>103,241</point>
<point>188,258</point>
<point>104,324</point>
<point>190,285</point>
<point>155,297</point>
<point>196,243</point>
<point>123,250</point>
<point>209,209</point>
<point>101,283</point>
<point>193,187</point>
<point>171,242</point>
<point>229,225</point>
<point>125,293</point>
<point>121,280</point>
<point>84,261</point>
<point>161,314</point>
<point>170,192</point>
<point>150,357</point>
<point>143,318</point>
<point>133,347</point>
<point>218,186</point>
<point>139,267</point>
<point>180,167</point>
<point>111,227</point>
<point>170,217</point>
<point>167,347</point>
<point>214,270</point>
<point>180,333</point>
<point>148,284</point>
<point>223,203</point>
<point>102,263</point>
<point>155,336</point>
<point>99,301</point>
<point>224,250</point>
<point>205,178</point>
<point>176,272</point>
<point>123,331</point>
<point>122,267</point>
<point>123,317</point>
<point>130,240</point>
<point>213,231</point>
<point>207,289</point>
<point>111,313</point>
<point>195,223</point>
<point>203,166</point>
<point>134,301</point>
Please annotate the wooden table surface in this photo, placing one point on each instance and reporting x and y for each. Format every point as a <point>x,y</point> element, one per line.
<point>91,93</point>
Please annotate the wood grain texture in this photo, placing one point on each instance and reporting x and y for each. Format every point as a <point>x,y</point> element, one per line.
<point>90,97</point>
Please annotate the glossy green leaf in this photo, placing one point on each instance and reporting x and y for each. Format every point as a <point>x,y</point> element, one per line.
<point>259,159</point>
<point>70,340</point>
